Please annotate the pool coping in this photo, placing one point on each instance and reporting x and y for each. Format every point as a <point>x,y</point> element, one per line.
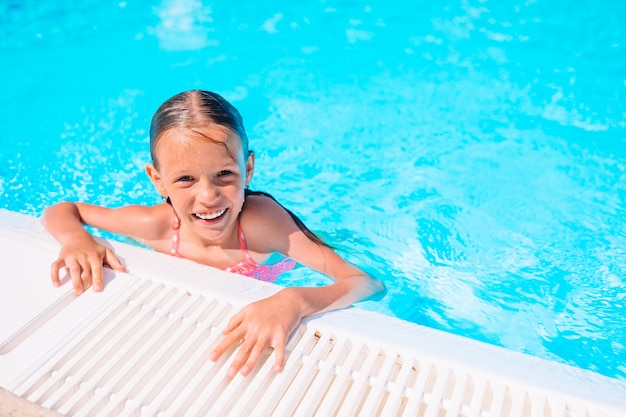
<point>607,394</point>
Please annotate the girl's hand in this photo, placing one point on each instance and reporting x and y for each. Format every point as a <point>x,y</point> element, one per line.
<point>257,327</point>
<point>83,259</point>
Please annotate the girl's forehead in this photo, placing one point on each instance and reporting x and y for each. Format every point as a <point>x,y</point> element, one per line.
<point>219,137</point>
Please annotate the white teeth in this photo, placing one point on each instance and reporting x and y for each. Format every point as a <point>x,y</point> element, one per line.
<point>210,216</point>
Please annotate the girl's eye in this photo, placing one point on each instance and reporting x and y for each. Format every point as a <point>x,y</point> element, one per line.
<point>185,178</point>
<point>225,173</point>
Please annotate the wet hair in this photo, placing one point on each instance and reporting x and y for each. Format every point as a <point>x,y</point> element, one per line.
<point>195,109</point>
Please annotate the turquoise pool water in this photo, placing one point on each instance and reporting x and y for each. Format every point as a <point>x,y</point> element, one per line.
<point>471,154</point>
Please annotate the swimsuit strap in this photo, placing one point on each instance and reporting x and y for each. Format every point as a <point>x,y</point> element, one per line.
<point>243,246</point>
<point>247,266</point>
<point>250,268</point>
<point>175,237</point>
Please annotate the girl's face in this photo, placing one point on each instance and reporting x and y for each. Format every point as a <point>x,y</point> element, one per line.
<point>204,179</point>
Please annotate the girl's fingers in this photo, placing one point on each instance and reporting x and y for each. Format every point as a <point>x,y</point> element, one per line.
<point>85,270</point>
<point>227,341</point>
<point>96,274</point>
<point>234,322</point>
<point>55,271</point>
<point>279,352</point>
<point>253,357</point>
<point>113,261</point>
<point>249,355</point>
<point>230,337</point>
<point>242,356</point>
<point>256,337</point>
<point>74,269</point>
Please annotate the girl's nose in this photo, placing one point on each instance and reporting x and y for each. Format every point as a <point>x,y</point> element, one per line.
<point>208,191</point>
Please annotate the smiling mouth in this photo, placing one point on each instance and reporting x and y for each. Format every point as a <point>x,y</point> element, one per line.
<point>210,216</point>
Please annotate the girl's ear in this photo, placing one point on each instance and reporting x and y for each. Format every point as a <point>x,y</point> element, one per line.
<point>156,179</point>
<point>249,167</point>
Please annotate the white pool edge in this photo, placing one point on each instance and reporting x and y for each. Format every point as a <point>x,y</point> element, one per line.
<point>594,391</point>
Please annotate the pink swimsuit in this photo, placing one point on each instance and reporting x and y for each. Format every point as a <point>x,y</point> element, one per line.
<point>248,266</point>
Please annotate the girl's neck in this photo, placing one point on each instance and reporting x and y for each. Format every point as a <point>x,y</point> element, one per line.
<point>221,253</point>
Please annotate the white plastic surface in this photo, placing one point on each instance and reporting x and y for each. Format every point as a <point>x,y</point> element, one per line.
<point>140,348</point>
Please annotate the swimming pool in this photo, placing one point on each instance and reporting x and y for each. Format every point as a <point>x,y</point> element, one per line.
<point>470,154</point>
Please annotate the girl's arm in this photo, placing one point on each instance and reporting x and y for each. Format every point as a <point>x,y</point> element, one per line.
<point>81,255</point>
<point>269,322</point>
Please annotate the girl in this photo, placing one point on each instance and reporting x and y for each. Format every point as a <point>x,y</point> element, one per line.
<point>201,166</point>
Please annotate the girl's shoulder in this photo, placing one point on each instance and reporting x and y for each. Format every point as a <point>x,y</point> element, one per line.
<point>266,223</point>
<point>261,205</point>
